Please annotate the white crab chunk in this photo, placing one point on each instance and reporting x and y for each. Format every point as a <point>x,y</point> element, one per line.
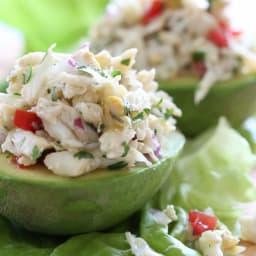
<point>72,166</point>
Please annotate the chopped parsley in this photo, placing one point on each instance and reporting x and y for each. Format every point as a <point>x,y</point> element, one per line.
<point>53,94</point>
<point>85,72</point>
<point>159,103</point>
<point>139,116</point>
<point>127,109</point>
<point>116,73</point>
<point>126,148</point>
<point>8,154</point>
<point>36,153</point>
<point>198,56</point>
<point>147,110</point>
<point>117,165</point>
<point>168,113</point>
<point>27,75</point>
<point>83,155</point>
<point>3,86</point>
<point>126,62</point>
<point>101,72</point>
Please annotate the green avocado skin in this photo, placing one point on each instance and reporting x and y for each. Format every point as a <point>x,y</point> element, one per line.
<point>65,206</point>
<point>234,99</point>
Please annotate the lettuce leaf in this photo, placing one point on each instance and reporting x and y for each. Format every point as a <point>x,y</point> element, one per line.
<point>248,130</point>
<point>46,22</point>
<point>213,171</point>
<point>17,242</point>
<point>95,244</point>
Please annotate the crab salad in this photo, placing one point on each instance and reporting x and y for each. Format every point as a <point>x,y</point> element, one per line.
<point>79,112</point>
<point>179,38</point>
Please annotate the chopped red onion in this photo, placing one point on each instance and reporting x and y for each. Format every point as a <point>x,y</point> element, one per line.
<point>85,45</point>
<point>78,122</point>
<point>72,62</point>
<point>157,148</point>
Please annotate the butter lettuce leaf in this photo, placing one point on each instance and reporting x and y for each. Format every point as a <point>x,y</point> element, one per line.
<point>18,242</point>
<point>213,171</point>
<point>95,244</point>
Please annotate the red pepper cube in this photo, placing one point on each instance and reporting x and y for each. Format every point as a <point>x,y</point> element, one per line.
<point>219,37</point>
<point>201,222</point>
<point>199,67</point>
<point>28,121</point>
<point>14,159</point>
<point>155,10</point>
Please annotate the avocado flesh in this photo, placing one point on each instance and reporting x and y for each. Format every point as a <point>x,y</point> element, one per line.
<point>40,201</point>
<point>234,99</point>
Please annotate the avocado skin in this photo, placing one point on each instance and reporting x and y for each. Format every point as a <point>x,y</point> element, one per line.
<point>234,99</point>
<point>56,205</point>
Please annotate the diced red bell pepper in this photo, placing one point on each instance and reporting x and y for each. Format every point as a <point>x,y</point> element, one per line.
<point>219,37</point>
<point>28,121</point>
<point>14,159</point>
<point>155,10</point>
<point>228,29</point>
<point>199,67</point>
<point>201,222</point>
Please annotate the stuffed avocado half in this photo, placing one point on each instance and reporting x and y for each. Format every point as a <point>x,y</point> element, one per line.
<point>181,40</point>
<point>41,201</point>
<point>85,140</point>
<point>234,99</point>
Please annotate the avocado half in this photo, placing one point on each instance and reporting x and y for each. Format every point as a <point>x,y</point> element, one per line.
<point>234,99</point>
<point>40,201</point>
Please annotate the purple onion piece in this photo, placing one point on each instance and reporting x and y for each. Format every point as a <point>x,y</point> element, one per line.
<point>78,123</point>
<point>85,45</point>
<point>157,148</point>
<point>72,62</point>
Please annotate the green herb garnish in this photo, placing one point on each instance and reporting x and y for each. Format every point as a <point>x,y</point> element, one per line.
<point>27,75</point>
<point>36,153</point>
<point>117,165</point>
<point>139,116</point>
<point>101,72</point>
<point>17,94</point>
<point>8,154</point>
<point>127,109</point>
<point>3,86</point>
<point>147,110</point>
<point>53,94</point>
<point>126,62</point>
<point>85,72</point>
<point>83,155</point>
<point>158,104</point>
<point>198,56</point>
<point>126,148</point>
<point>168,113</point>
<point>116,73</point>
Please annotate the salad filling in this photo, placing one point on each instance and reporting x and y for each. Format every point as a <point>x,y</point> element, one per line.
<point>93,110</point>
<point>178,38</point>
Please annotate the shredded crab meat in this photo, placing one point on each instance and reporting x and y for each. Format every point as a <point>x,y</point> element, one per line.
<point>93,110</point>
<point>171,39</point>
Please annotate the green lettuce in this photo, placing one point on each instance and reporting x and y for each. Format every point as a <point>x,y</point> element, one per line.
<point>17,242</point>
<point>51,21</point>
<point>248,130</point>
<point>213,171</point>
<point>95,244</point>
